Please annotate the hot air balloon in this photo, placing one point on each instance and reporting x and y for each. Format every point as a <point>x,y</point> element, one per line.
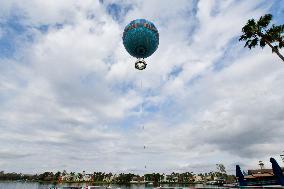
<point>141,40</point>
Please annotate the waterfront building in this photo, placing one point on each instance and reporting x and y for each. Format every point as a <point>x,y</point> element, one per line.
<point>198,178</point>
<point>260,177</point>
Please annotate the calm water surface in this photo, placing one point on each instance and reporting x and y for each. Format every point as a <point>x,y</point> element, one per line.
<point>29,185</point>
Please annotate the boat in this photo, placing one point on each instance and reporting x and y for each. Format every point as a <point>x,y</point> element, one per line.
<point>167,187</point>
<point>67,187</point>
<point>96,187</point>
<point>231,185</point>
<point>83,187</point>
<point>263,177</point>
<point>219,182</point>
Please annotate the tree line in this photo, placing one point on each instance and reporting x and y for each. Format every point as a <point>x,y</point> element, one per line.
<point>121,178</point>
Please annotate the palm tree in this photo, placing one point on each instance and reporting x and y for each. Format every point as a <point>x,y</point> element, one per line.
<point>259,32</point>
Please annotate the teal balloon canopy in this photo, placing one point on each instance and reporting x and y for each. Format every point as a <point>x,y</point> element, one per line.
<point>140,38</point>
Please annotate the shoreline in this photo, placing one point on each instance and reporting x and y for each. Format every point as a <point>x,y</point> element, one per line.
<point>99,183</point>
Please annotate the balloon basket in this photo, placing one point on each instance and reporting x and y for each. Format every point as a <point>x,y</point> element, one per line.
<point>140,64</point>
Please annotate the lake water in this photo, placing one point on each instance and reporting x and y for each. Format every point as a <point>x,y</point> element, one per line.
<point>29,185</point>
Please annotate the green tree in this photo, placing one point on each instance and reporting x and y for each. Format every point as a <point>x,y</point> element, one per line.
<point>221,168</point>
<point>80,176</point>
<point>46,176</point>
<point>64,173</point>
<point>262,33</point>
<point>124,178</point>
<point>57,175</point>
<point>98,176</point>
<point>72,176</point>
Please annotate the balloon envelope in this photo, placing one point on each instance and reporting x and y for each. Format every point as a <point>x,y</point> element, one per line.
<point>140,38</point>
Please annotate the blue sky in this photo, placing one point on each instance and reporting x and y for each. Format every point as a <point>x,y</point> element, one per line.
<point>70,96</point>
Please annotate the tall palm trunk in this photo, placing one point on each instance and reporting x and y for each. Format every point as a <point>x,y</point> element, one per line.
<point>272,47</point>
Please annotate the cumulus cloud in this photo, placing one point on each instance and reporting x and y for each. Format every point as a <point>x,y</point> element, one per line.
<point>70,96</point>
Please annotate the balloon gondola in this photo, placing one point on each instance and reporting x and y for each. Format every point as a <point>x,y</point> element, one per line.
<point>141,40</point>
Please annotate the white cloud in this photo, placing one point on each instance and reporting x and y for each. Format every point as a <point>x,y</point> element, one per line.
<point>72,95</point>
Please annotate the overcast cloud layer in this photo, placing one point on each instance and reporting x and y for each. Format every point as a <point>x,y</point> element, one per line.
<point>70,97</point>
